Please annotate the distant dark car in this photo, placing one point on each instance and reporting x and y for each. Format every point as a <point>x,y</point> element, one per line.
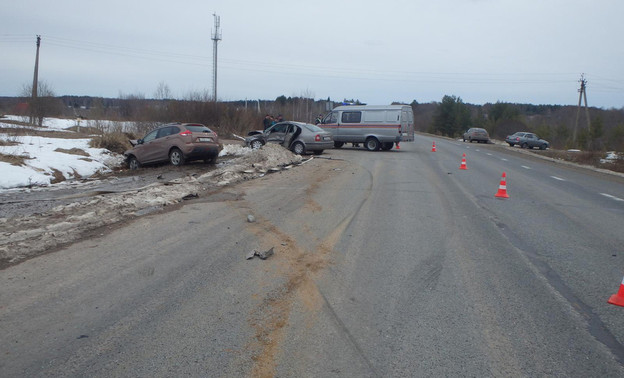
<point>176,143</point>
<point>526,140</point>
<point>298,137</point>
<point>478,134</point>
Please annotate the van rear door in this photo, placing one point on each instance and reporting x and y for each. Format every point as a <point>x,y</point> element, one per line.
<point>407,125</point>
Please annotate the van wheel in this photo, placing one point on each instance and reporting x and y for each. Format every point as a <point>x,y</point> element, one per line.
<point>298,148</point>
<point>338,144</point>
<point>176,157</point>
<point>372,144</point>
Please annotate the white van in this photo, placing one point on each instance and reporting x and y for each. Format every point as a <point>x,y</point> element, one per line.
<point>377,127</point>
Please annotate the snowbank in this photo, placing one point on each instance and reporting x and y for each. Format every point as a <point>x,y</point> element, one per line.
<point>43,157</point>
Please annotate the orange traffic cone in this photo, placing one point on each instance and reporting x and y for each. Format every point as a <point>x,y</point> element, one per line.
<point>463,163</point>
<point>502,188</point>
<point>618,299</point>
<point>433,149</point>
<point>398,147</point>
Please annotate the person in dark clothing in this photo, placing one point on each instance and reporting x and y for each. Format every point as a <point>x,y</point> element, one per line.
<point>266,122</point>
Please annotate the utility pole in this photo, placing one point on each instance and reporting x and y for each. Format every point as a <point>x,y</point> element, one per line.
<point>216,37</point>
<point>582,95</point>
<point>35,81</point>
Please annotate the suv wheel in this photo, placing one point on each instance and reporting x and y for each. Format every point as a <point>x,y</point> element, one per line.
<point>176,157</point>
<point>133,163</point>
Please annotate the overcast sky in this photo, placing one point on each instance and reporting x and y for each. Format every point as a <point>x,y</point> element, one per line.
<point>523,51</point>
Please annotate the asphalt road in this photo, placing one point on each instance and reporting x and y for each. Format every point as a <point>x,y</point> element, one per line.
<point>391,263</point>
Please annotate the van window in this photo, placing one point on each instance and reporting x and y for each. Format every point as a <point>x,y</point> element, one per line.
<point>393,115</point>
<point>375,116</point>
<point>351,117</point>
<point>331,118</point>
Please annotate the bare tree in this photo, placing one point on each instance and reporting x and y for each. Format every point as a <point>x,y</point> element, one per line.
<point>308,96</point>
<point>162,92</point>
<point>44,105</point>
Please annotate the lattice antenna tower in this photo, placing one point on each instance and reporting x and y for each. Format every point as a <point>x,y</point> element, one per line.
<point>216,37</point>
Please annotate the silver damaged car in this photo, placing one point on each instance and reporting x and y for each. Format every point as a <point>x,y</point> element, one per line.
<point>299,137</point>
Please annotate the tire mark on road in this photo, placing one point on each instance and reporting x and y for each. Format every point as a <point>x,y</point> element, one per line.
<point>300,268</point>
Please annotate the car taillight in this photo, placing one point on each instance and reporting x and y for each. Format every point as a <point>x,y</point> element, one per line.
<point>186,132</point>
<point>317,138</point>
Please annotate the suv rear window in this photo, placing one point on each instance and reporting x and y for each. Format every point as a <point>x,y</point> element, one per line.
<point>198,128</point>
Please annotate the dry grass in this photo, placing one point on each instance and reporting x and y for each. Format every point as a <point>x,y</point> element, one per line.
<point>19,132</point>
<point>17,160</point>
<point>8,142</point>
<point>591,158</point>
<point>73,151</point>
<point>115,142</point>
<point>58,176</point>
<point>85,130</point>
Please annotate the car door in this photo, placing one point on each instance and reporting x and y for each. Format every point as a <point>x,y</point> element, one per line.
<point>167,138</point>
<point>160,145</point>
<point>143,151</point>
<point>277,133</point>
<point>291,132</point>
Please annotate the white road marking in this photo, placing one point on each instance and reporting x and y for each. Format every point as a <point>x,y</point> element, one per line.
<point>525,167</point>
<point>557,178</point>
<point>612,197</point>
<point>503,159</point>
<point>489,154</point>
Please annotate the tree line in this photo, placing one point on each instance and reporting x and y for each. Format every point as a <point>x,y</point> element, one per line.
<point>449,117</point>
<point>604,130</point>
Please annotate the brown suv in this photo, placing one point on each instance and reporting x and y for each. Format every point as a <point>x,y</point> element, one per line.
<point>175,142</point>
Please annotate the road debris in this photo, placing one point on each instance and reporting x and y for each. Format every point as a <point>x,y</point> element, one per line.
<point>251,218</point>
<point>263,255</point>
<point>190,196</point>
